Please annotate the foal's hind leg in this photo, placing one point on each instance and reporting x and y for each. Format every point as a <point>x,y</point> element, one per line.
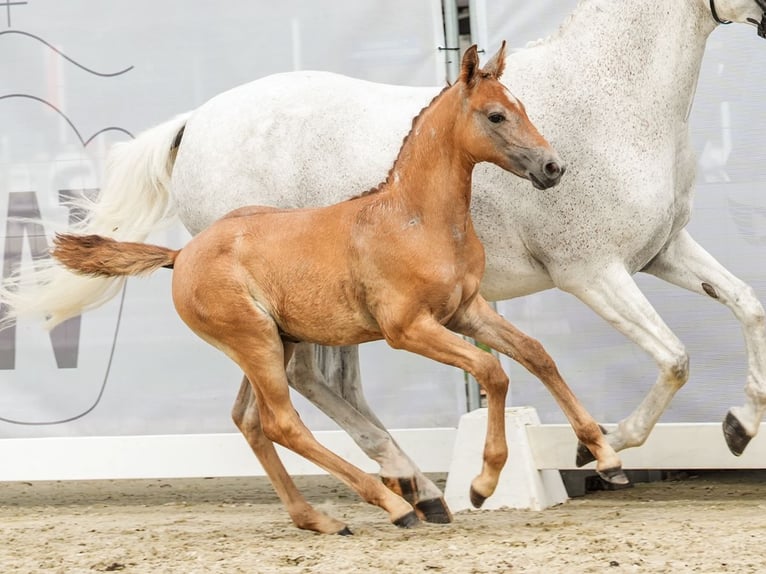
<point>685,263</point>
<point>485,325</point>
<point>250,337</point>
<point>247,418</point>
<point>339,395</point>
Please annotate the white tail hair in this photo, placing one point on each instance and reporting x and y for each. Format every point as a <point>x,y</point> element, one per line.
<point>134,200</point>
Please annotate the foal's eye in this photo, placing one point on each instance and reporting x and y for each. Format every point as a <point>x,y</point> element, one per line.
<point>496,118</point>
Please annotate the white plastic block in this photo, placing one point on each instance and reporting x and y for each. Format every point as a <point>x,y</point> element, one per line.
<point>521,484</point>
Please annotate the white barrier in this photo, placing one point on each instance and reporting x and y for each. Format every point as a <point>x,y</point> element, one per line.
<point>529,480</point>
<point>192,455</point>
<point>522,484</point>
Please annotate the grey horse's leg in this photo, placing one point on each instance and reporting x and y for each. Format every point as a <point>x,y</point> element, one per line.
<point>685,263</point>
<point>336,390</point>
<point>613,294</point>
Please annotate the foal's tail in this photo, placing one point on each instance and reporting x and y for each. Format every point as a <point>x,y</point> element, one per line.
<point>134,200</point>
<point>99,256</point>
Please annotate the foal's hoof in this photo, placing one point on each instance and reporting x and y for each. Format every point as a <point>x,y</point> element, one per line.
<point>476,499</point>
<point>614,476</point>
<point>584,455</point>
<point>345,532</point>
<point>735,434</point>
<point>434,510</point>
<point>409,520</point>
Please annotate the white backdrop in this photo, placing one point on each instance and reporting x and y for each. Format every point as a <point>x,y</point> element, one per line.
<point>69,70</point>
<point>609,373</point>
<point>76,76</point>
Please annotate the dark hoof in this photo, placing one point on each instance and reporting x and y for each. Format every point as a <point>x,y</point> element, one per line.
<point>584,455</point>
<point>434,510</point>
<point>476,499</point>
<point>614,476</point>
<point>735,434</point>
<point>345,532</point>
<point>409,520</point>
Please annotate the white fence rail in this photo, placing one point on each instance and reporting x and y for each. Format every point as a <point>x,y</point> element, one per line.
<point>670,446</point>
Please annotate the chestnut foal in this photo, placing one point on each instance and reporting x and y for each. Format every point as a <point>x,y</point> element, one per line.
<point>400,262</point>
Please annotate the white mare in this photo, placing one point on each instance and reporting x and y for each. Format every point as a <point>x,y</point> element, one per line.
<point>611,90</point>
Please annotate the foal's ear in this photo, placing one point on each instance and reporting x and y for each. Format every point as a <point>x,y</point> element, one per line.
<point>496,63</point>
<point>469,68</point>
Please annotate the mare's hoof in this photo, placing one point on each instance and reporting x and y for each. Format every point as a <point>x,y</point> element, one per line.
<point>584,455</point>
<point>345,532</point>
<point>434,510</point>
<point>735,434</point>
<point>476,499</point>
<point>614,476</point>
<point>409,520</point>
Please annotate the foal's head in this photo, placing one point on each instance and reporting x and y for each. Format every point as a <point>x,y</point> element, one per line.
<point>495,127</point>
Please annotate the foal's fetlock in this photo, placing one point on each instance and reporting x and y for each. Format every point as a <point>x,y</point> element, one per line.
<point>584,454</point>
<point>407,488</point>
<point>321,523</point>
<point>434,509</point>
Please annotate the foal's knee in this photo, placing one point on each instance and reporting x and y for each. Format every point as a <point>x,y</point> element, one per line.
<point>490,374</point>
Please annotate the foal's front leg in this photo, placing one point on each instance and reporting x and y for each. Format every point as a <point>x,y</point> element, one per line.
<point>485,325</point>
<point>425,336</point>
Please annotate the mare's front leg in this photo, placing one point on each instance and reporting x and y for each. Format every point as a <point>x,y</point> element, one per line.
<point>612,293</point>
<point>425,336</point>
<point>484,324</point>
<point>248,420</point>
<point>338,393</point>
<point>685,263</point>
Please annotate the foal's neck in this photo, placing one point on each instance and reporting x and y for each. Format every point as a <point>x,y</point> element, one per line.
<point>432,174</point>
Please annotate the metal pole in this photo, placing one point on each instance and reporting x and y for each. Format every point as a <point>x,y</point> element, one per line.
<point>451,39</point>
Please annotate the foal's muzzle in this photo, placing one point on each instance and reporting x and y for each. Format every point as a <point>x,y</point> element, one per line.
<point>550,175</point>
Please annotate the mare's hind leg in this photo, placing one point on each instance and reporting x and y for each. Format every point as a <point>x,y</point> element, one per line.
<point>485,325</point>
<point>685,263</point>
<point>613,294</point>
<point>338,393</point>
<point>247,418</point>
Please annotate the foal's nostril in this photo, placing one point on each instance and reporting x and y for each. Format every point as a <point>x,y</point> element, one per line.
<point>552,169</point>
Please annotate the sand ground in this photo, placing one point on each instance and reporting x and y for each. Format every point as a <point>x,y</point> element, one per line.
<point>709,522</point>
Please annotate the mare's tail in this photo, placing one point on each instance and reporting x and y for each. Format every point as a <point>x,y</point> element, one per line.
<point>99,256</point>
<point>134,200</point>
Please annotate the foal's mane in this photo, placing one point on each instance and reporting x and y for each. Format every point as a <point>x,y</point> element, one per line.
<point>383,184</point>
